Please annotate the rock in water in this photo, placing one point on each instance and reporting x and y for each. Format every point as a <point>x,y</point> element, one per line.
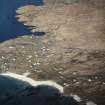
<point>20,90</point>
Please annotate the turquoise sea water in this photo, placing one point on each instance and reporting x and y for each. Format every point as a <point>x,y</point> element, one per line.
<point>17,92</point>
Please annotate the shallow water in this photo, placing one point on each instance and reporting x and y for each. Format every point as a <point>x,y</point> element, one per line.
<point>9,26</point>
<point>12,85</point>
<point>16,91</point>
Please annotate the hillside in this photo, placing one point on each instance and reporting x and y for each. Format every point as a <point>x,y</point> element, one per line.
<point>71,52</point>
